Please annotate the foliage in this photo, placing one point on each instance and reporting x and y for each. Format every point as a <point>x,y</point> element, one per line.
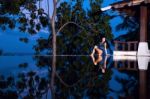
<point>84,30</point>
<point>26,13</point>
<point>76,76</point>
<point>131,23</point>
<point>77,37</point>
<point>1,52</point>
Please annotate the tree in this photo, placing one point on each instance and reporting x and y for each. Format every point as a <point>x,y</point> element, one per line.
<point>78,29</point>
<point>83,24</point>
<point>77,79</point>
<point>131,23</point>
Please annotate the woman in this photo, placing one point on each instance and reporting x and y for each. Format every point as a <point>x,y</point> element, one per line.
<point>101,51</point>
<point>101,48</point>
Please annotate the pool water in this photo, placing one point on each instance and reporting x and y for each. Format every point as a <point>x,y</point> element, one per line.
<point>72,77</point>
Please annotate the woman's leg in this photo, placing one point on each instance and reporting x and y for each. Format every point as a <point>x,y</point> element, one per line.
<point>93,52</point>
<point>99,51</point>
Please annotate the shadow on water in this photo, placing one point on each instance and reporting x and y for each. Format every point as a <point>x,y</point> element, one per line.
<point>72,77</point>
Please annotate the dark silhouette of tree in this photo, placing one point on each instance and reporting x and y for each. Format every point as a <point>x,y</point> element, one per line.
<point>78,30</point>
<point>131,23</point>
<point>24,12</point>
<point>75,76</point>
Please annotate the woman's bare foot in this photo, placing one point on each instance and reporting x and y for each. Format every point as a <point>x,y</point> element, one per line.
<point>95,63</point>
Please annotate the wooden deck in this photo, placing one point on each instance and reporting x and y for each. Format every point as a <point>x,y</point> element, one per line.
<point>128,53</point>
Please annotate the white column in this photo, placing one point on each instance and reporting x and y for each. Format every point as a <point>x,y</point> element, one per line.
<point>143,62</point>
<point>143,49</point>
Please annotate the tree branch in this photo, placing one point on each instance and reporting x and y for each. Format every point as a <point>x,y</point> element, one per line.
<point>69,23</point>
<point>67,84</point>
<point>66,25</point>
<point>54,11</point>
<point>39,4</point>
<point>48,6</point>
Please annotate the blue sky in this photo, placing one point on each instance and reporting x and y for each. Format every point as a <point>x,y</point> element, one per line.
<point>10,38</point>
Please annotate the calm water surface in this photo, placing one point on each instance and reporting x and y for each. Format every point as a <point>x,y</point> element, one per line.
<point>74,77</point>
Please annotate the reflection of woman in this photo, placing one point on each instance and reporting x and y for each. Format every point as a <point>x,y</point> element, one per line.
<point>103,67</point>
<point>101,61</point>
<point>101,48</point>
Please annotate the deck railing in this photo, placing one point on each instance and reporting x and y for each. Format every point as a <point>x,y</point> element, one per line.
<point>126,65</point>
<point>126,46</point>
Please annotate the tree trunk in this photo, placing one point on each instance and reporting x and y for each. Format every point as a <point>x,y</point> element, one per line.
<point>53,39</point>
<point>54,43</point>
<point>53,28</point>
<point>53,59</point>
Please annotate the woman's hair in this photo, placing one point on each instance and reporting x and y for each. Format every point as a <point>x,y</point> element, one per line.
<point>102,35</point>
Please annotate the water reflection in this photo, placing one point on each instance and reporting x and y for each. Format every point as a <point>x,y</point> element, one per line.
<point>72,77</point>
<point>142,71</point>
<point>17,82</point>
<point>100,61</point>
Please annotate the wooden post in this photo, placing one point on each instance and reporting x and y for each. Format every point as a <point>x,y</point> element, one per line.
<point>129,65</point>
<point>135,66</point>
<point>116,45</point>
<point>147,1</point>
<point>142,84</point>
<point>143,24</point>
<point>116,64</point>
<point>123,46</point>
<point>129,46</point>
<point>135,46</point>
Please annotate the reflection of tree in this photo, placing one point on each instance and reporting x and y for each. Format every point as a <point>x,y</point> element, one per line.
<point>23,65</point>
<point>128,85</point>
<point>53,70</point>
<point>126,82</point>
<point>27,86</point>
<point>1,52</point>
<point>74,76</point>
<point>79,79</point>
